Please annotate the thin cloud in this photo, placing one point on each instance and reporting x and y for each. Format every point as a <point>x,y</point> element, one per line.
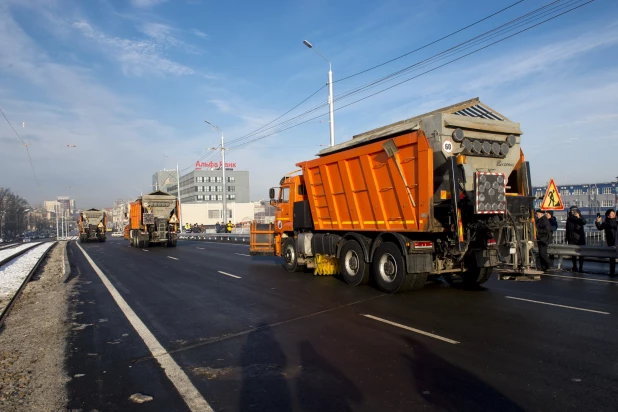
<point>137,57</point>
<point>146,3</point>
<point>199,33</point>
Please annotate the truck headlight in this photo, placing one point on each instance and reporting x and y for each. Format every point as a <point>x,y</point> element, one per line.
<point>486,147</point>
<point>495,148</point>
<point>511,140</point>
<point>504,149</point>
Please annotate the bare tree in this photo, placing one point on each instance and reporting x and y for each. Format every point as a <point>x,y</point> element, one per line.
<point>13,210</point>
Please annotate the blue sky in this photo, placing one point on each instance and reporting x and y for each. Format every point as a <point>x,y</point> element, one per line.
<point>130,83</point>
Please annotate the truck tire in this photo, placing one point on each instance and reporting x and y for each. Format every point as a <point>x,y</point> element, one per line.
<point>389,269</point>
<point>146,244</point>
<point>290,256</point>
<point>352,262</point>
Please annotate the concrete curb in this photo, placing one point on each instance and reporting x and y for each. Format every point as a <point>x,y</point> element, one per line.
<point>66,266</point>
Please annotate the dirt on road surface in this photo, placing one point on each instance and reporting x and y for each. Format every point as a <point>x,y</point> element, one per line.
<point>33,342</point>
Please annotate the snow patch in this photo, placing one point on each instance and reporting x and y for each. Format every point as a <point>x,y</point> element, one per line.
<point>13,274</point>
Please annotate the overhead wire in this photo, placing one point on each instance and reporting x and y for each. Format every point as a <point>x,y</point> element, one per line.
<point>571,2</point>
<point>316,108</point>
<point>429,44</point>
<point>25,145</point>
<point>527,18</point>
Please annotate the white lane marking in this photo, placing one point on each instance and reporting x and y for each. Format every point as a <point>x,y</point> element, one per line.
<point>145,250</point>
<point>173,258</point>
<point>200,248</point>
<point>241,254</point>
<point>194,400</point>
<point>560,306</point>
<point>228,274</point>
<point>422,332</point>
<point>580,277</point>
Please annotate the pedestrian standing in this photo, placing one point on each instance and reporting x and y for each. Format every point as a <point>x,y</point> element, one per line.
<point>543,239</point>
<point>575,234</point>
<point>609,226</point>
<point>229,227</point>
<point>552,221</point>
<point>218,228</point>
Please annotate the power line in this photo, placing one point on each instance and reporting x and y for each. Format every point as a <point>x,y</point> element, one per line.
<point>488,35</point>
<point>430,44</point>
<point>421,74</point>
<point>25,145</point>
<point>274,120</point>
<point>316,108</point>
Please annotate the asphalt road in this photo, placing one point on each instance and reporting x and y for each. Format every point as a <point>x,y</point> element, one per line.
<point>264,339</point>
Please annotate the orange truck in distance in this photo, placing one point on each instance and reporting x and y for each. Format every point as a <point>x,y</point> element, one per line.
<point>447,193</point>
<point>153,218</point>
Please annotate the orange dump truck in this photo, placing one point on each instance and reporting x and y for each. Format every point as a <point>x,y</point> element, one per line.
<point>92,224</point>
<point>447,193</point>
<point>153,218</point>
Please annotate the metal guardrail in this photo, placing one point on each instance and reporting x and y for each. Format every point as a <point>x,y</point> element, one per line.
<point>213,237</point>
<point>594,237</point>
<point>599,252</point>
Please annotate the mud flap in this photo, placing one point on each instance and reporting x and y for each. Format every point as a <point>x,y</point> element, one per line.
<point>419,263</point>
<point>486,258</point>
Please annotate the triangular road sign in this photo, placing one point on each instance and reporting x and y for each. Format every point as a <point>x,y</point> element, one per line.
<point>552,200</point>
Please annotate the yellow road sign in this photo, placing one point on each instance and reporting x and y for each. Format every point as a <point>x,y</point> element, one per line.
<point>552,200</point>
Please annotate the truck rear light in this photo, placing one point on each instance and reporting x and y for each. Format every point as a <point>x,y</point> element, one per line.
<point>422,245</point>
<point>491,242</point>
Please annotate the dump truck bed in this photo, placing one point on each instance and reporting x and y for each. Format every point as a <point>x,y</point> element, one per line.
<point>384,185</point>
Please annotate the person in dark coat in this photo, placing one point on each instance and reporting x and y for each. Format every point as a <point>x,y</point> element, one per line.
<point>575,234</point>
<point>609,226</point>
<point>552,220</point>
<point>543,239</point>
<point>218,228</point>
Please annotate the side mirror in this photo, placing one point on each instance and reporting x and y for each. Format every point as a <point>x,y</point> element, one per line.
<point>271,193</point>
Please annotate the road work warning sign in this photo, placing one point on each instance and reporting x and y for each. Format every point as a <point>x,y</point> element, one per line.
<point>552,200</point>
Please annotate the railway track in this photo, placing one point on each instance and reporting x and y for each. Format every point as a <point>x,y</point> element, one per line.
<point>17,265</point>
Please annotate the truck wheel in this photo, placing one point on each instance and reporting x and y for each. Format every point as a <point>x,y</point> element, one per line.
<point>146,244</point>
<point>389,269</point>
<point>353,266</point>
<point>290,257</point>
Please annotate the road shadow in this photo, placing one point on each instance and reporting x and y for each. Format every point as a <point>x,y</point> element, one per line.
<point>449,387</point>
<point>264,387</point>
<point>321,386</point>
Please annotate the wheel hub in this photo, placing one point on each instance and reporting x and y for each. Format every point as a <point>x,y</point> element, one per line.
<point>387,267</point>
<point>289,255</point>
<point>351,261</point>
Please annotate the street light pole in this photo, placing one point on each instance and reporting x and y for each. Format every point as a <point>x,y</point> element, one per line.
<point>225,216</point>
<point>179,201</point>
<point>331,101</point>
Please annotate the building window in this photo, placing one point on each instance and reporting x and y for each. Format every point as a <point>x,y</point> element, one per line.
<point>231,188</point>
<point>564,192</point>
<point>577,192</point>
<point>218,188</point>
<point>219,197</point>
<point>539,193</point>
<point>607,190</point>
<point>607,203</point>
<point>231,197</point>
<point>594,190</point>
<point>219,179</point>
<point>231,179</point>
<point>213,214</point>
<point>200,197</point>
